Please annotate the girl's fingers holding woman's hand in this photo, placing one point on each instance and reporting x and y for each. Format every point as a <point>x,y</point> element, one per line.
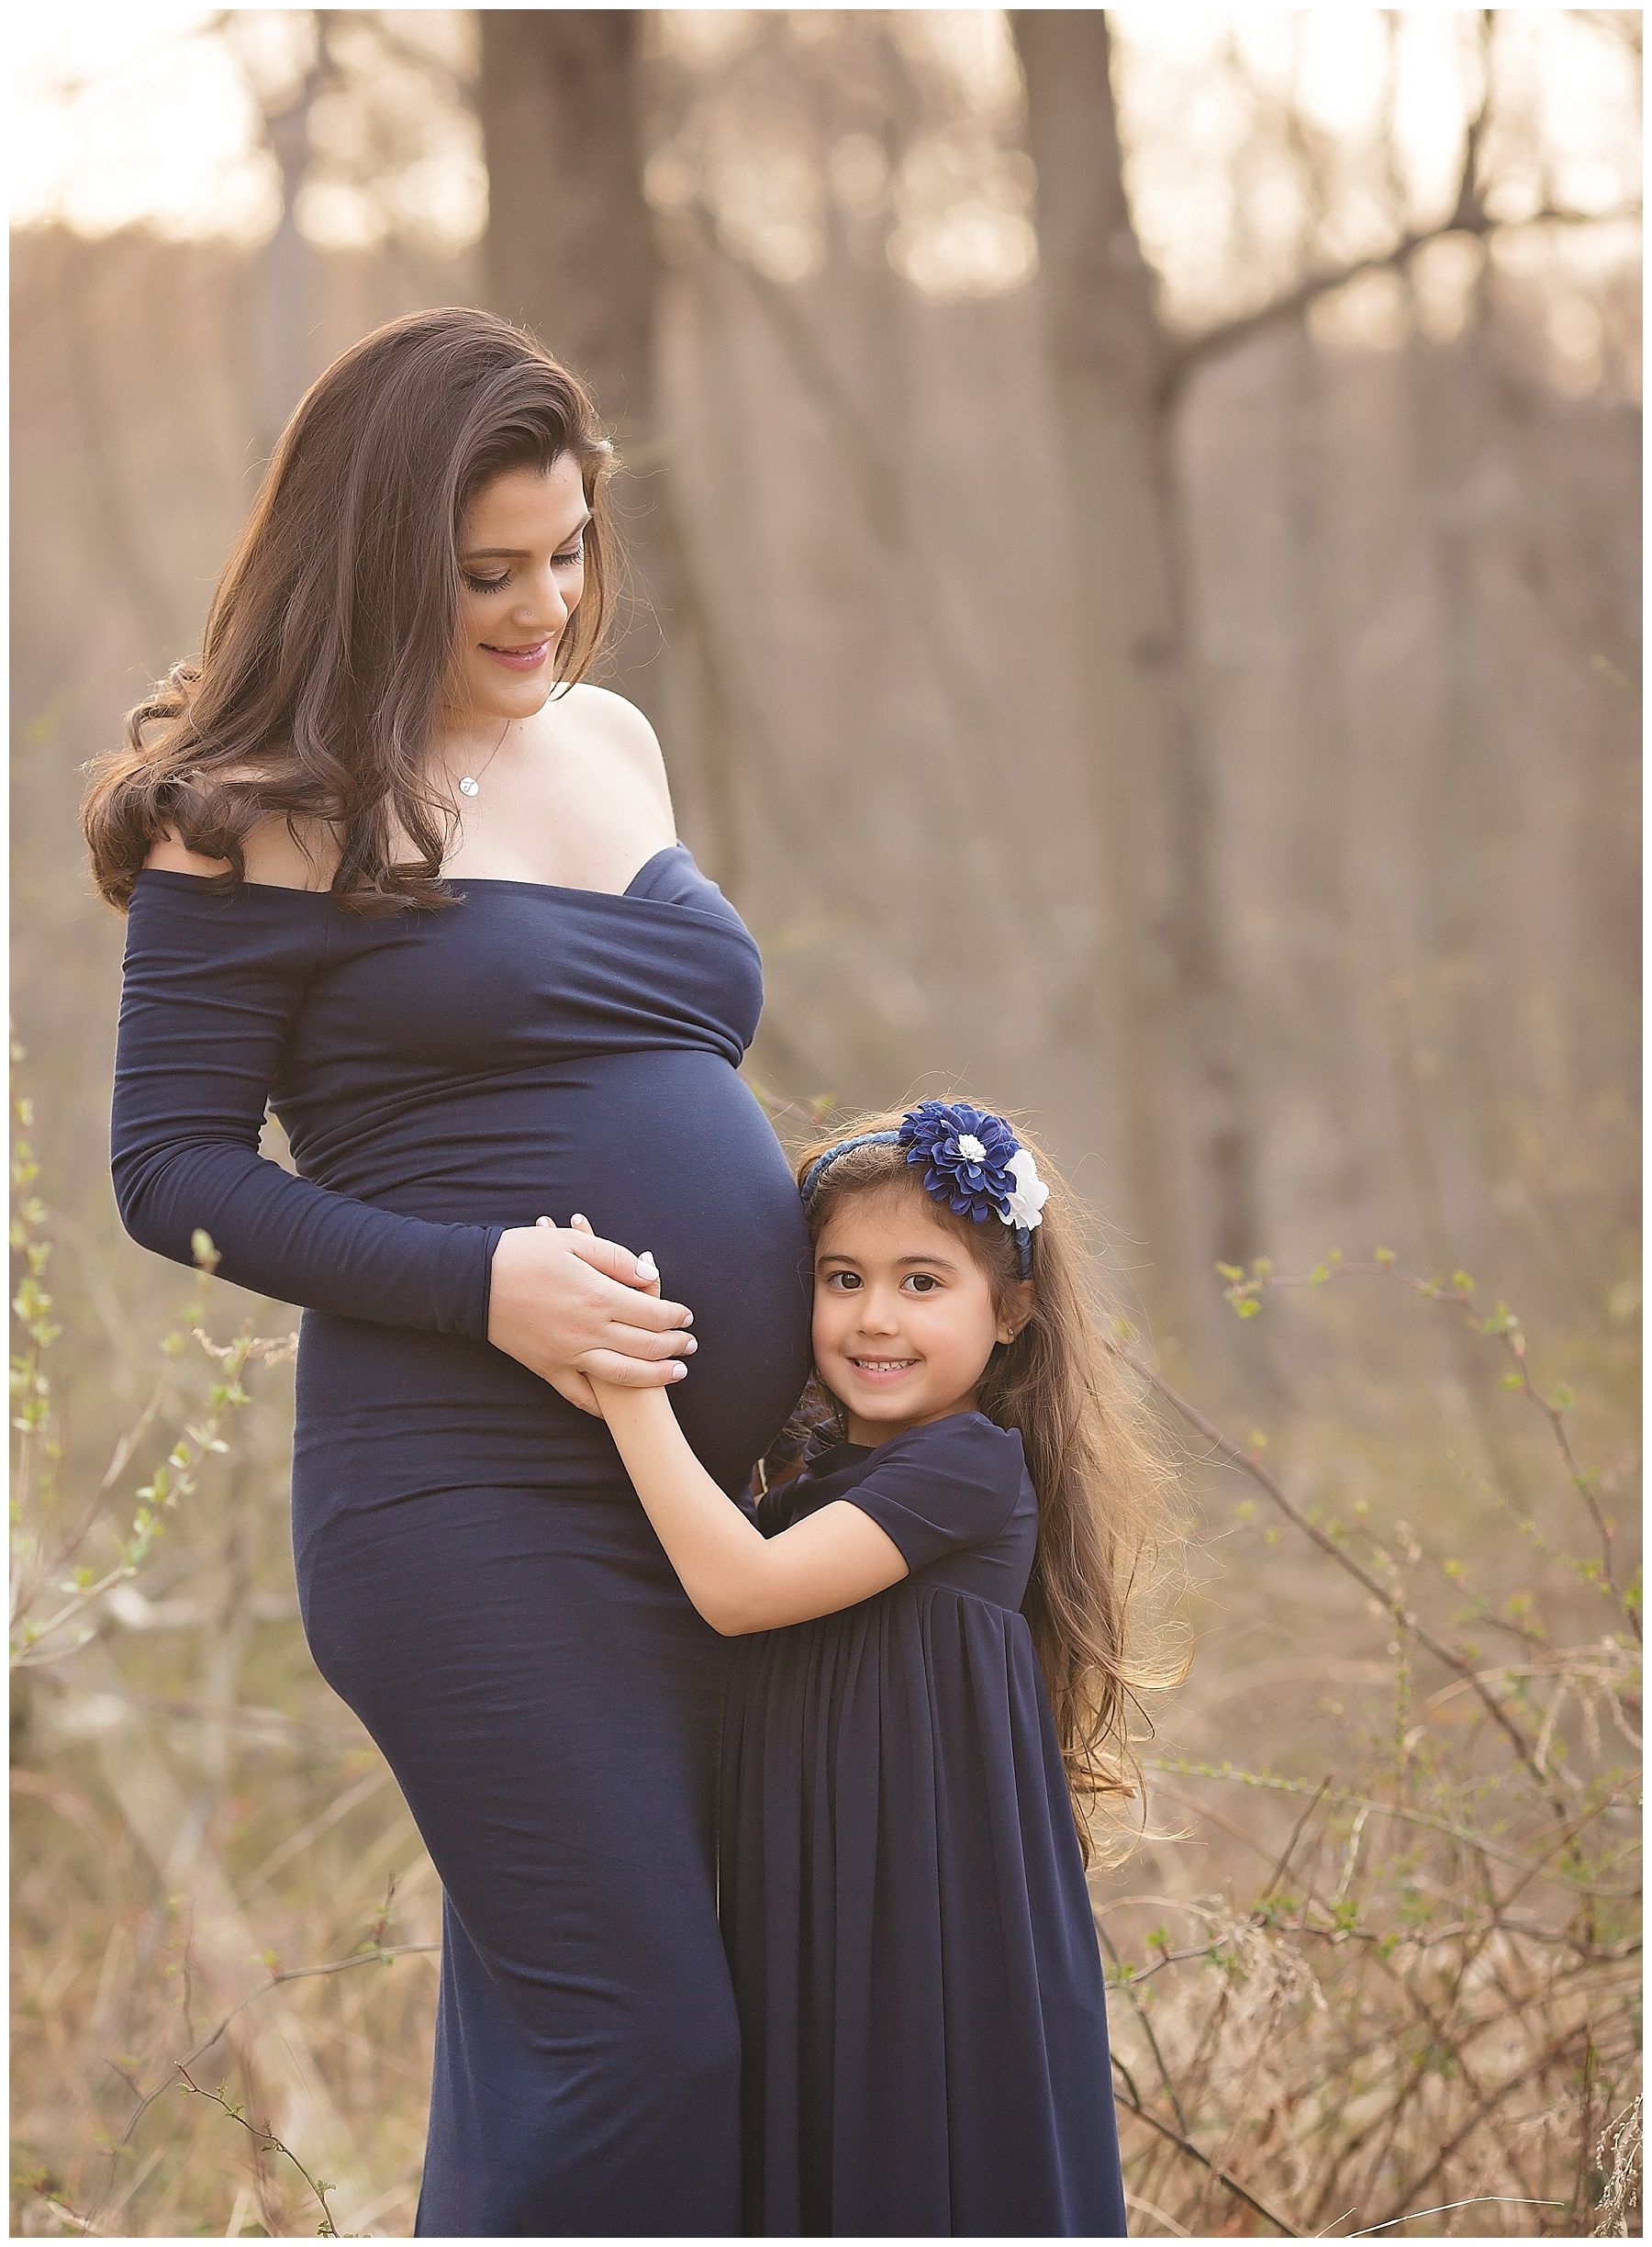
<point>624,1370</point>
<point>632,1342</point>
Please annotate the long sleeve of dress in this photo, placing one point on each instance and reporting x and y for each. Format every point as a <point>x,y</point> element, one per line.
<point>210,989</point>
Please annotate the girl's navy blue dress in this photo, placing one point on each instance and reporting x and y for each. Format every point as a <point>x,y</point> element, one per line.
<point>919,1983</point>
<point>476,1577</point>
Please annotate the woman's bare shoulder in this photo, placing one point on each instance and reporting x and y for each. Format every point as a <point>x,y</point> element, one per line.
<point>272,852</point>
<point>607,719</point>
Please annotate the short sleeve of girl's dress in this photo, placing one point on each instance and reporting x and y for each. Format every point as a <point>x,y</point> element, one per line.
<point>939,1488</point>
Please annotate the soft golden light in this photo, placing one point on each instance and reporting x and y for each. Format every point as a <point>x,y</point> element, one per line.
<point>148,114</point>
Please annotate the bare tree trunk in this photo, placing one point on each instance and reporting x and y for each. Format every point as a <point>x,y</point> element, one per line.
<point>284,296</point>
<point>570,253</point>
<point>99,453</point>
<point>1165,1023</point>
<point>1322,1002</point>
<point>285,291</point>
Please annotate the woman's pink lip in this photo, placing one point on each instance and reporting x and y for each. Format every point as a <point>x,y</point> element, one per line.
<point>522,657</point>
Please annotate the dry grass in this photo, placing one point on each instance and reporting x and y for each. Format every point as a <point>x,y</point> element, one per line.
<point>1412,1999</point>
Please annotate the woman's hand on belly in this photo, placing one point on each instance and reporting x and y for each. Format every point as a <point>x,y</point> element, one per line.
<point>567,1304</point>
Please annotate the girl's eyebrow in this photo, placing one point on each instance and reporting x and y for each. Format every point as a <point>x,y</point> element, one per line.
<point>929,1263</point>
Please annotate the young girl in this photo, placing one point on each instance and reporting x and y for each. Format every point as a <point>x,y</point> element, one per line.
<point>931,1671</point>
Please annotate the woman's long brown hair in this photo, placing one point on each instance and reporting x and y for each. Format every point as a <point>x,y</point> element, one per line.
<point>1104,1475</point>
<point>331,632</point>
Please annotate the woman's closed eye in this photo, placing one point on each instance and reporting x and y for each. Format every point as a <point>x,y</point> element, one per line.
<point>497,584</point>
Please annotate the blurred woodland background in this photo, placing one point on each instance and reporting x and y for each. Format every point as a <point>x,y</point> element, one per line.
<point>1134,519</point>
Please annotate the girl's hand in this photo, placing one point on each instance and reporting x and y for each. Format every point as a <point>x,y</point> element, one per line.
<point>568,1305</point>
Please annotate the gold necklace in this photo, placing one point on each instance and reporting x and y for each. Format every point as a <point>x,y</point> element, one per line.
<point>469,785</point>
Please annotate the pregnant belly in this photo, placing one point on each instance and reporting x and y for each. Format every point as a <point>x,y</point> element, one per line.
<point>665,1150</point>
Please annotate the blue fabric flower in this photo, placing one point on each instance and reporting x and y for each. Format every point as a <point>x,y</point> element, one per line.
<point>966,1154</point>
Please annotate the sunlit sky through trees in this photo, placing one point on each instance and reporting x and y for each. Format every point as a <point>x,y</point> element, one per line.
<point>155,114</point>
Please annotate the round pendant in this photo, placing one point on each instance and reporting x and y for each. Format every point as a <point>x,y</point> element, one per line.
<point>467,787</point>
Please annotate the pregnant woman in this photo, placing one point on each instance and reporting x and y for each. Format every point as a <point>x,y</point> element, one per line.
<point>376,874</point>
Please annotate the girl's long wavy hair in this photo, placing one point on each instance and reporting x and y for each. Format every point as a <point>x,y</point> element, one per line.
<point>332,631</point>
<point>1104,1474</point>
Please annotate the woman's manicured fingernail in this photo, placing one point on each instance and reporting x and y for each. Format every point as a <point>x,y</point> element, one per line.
<point>646,1266</point>
<point>678,1369</point>
<point>578,1219</point>
<point>688,1318</point>
<point>690,1347</point>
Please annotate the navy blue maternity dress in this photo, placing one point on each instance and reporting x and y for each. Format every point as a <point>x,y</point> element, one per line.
<point>476,1577</point>
<point>921,1990</point>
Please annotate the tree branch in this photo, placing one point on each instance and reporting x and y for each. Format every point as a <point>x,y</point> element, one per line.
<point>1183,355</point>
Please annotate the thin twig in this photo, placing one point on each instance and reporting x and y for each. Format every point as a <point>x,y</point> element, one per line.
<point>287,1974</point>
<point>268,2142</point>
<point>1476,2200</point>
<point>1405,1617</point>
<point>1221,2177</point>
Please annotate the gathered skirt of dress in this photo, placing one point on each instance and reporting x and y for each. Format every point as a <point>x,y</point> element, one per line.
<point>921,2000</point>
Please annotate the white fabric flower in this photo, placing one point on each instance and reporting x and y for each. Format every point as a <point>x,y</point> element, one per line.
<point>970,1147</point>
<point>1024,1203</point>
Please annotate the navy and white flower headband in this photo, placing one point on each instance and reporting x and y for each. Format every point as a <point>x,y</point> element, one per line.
<point>972,1161</point>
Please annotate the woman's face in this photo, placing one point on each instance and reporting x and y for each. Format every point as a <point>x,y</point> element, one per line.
<point>521,571</point>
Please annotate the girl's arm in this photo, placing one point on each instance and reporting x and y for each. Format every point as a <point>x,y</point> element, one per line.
<point>740,1580</point>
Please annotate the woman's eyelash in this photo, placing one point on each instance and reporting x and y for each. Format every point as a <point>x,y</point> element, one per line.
<point>494,585</point>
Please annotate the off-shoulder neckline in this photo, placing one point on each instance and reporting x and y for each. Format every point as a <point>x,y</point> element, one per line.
<point>463,882</point>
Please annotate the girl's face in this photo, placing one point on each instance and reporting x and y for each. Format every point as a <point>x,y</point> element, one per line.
<point>903,1314</point>
<point>521,571</point>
